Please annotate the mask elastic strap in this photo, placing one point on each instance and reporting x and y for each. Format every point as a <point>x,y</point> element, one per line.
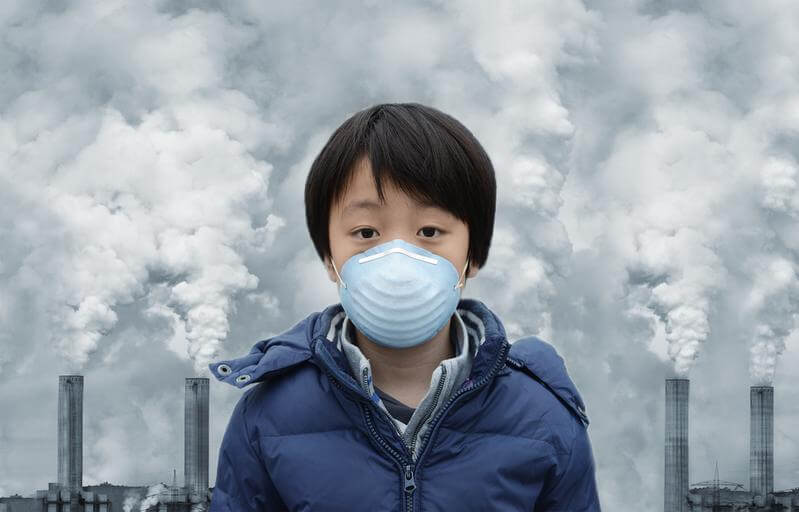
<point>462,274</point>
<point>339,277</point>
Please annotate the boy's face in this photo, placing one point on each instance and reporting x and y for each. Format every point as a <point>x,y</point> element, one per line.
<point>355,229</point>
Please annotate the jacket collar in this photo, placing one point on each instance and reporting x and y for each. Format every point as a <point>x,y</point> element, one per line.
<point>314,338</point>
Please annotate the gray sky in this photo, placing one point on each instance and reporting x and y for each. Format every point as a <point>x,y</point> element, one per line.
<point>152,163</point>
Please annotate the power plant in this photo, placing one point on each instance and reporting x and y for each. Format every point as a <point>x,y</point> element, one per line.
<point>195,440</point>
<point>718,495</point>
<point>676,476</point>
<point>761,444</point>
<point>70,495</point>
<point>70,432</point>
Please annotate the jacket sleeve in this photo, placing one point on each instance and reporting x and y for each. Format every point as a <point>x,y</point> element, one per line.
<point>572,487</point>
<point>242,481</point>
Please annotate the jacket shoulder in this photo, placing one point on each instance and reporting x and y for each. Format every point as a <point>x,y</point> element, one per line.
<point>539,360</point>
<point>269,357</point>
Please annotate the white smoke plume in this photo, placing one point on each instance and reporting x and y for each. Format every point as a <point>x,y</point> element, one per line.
<point>148,197</point>
<point>684,275</point>
<point>151,498</point>
<point>131,501</point>
<point>769,140</point>
<point>671,233</point>
<point>528,131</point>
<point>152,157</point>
<point>684,187</point>
<point>773,301</point>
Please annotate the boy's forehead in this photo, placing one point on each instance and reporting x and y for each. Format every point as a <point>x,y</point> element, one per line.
<point>361,194</point>
<point>372,204</point>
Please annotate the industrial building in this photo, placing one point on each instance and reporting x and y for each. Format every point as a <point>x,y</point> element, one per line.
<point>716,495</point>
<point>70,495</point>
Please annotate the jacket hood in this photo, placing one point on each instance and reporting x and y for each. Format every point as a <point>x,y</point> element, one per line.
<point>294,346</point>
<point>542,362</point>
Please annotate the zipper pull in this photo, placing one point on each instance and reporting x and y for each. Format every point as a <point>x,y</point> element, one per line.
<point>410,485</point>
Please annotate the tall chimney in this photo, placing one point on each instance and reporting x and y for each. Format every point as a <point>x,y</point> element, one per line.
<point>761,440</point>
<point>70,432</point>
<point>195,450</point>
<point>676,478</point>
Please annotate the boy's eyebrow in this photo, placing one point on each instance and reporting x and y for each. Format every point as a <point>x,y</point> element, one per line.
<point>368,204</point>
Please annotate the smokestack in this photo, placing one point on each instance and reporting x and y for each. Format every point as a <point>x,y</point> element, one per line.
<point>761,440</point>
<point>676,481</point>
<point>195,451</point>
<point>70,432</point>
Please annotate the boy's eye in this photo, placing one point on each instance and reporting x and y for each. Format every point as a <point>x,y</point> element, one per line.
<point>365,229</point>
<point>428,230</point>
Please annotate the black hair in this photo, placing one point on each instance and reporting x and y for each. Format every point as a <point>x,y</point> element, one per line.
<point>426,153</point>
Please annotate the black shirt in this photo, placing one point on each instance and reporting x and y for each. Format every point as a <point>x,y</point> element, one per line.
<point>395,408</point>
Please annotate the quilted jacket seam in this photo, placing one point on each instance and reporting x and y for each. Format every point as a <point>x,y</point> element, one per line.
<point>552,445</point>
<point>353,429</point>
<point>250,441</point>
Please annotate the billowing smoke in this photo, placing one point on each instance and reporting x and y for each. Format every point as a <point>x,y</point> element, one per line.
<point>683,274</point>
<point>521,118</point>
<point>773,300</point>
<point>151,498</point>
<point>672,265</point>
<point>684,188</point>
<point>131,501</point>
<point>151,196</point>
<point>153,190</point>
<point>152,157</point>
<point>773,133</point>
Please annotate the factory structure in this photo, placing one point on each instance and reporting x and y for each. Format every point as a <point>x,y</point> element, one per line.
<point>716,495</point>
<point>70,495</point>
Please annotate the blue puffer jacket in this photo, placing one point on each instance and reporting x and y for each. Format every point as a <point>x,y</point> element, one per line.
<point>308,437</point>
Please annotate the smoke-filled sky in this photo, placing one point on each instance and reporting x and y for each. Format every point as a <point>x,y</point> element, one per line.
<point>152,162</point>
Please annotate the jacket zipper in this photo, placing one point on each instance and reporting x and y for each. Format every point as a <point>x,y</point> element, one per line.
<point>399,434</point>
<point>407,466</point>
<point>410,484</point>
<point>431,408</point>
<point>463,391</point>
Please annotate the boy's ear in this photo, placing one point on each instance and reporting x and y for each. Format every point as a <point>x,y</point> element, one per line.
<point>472,270</point>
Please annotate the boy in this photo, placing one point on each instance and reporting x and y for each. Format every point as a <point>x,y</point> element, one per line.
<point>403,396</point>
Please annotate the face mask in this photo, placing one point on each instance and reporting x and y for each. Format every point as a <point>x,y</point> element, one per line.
<point>397,294</point>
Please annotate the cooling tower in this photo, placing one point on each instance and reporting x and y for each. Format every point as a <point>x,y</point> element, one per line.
<point>195,449</point>
<point>70,432</point>
<point>761,440</point>
<point>676,478</point>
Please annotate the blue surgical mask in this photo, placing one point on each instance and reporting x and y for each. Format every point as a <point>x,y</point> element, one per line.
<point>397,294</point>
